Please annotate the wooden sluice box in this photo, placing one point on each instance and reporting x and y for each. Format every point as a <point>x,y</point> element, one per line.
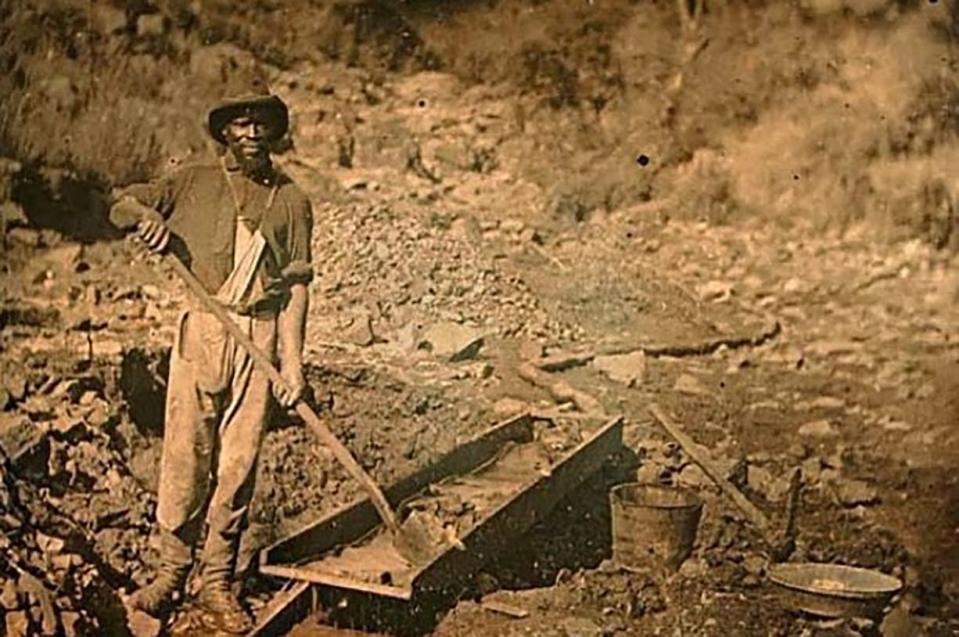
<point>484,495</point>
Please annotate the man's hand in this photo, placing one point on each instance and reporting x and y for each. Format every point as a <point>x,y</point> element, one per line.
<point>295,386</point>
<point>155,234</point>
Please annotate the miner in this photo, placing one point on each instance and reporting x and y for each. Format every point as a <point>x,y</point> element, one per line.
<point>243,228</point>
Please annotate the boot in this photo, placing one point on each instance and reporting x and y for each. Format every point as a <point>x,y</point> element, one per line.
<point>160,596</point>
<point>221,610</point>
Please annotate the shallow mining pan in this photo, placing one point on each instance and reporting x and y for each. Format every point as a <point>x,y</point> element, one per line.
<point>305,558</point>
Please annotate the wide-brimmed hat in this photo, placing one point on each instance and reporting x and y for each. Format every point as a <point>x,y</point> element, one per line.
<point>255,98</point>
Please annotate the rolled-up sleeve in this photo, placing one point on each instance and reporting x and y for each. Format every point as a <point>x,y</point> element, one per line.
<point>299,269</point>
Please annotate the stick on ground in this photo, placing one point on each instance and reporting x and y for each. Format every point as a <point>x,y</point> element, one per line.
<point>756,517</point>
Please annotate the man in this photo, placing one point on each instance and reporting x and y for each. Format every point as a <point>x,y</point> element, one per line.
<point>244,230</point>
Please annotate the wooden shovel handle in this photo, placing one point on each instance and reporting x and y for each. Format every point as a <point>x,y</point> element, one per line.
<point>757,517</point>
<point>313,421</point>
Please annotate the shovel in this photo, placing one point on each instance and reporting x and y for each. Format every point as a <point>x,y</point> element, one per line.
<point>319,428</point>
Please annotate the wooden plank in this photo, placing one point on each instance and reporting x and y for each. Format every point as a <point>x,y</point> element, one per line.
<point>337,581</point>
<point>290,608</point>
<point>349,523</point>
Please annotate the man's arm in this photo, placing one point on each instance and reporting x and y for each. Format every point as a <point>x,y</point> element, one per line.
<point>145,207</point>
<point>291,323</point>
<point>291,332</point>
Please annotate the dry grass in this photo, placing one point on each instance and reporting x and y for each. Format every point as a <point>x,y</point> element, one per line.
<point>784,115</point>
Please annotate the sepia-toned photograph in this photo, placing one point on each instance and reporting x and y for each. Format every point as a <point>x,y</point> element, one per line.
<point>455,318</point>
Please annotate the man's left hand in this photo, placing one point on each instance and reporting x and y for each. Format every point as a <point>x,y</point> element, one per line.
<point>287,394</point>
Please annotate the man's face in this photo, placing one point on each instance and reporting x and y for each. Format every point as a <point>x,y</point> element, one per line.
<point>248,136</point>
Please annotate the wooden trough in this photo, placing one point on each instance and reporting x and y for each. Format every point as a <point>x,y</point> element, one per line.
<point>345,561</point>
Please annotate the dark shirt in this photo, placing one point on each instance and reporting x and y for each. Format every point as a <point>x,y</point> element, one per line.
<point>198,205</point>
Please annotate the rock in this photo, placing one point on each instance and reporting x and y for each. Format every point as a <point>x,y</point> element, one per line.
<point>828,402</point>
<point>628,369</point>
<point>18,624</point>
<point>406,338</point>
<point>754,564</point>
<point>715,291</point>
<point>897,425</point>
<point>798,451</point>
<point>693,476</point>
<point>451,341</point>
<point>12,214</point>
<point>107,19</point>
<point>91,295</point>
<point>16,385</point>
<point>99,414</point>
<point>792,286</point>
<point>481,370</point>
<point>736,470</point>
<point>770,405</point>
<point>762,481</point>
<point>465,229</point>
<point>829,476</point>
<point>531,350</point>
<point>823,402</point>
<point>864,625</point>
<point>9,596</point>
<point>811,470</point>
<point>107,347</point>
<point>151,25</point>
<point>790,356</point>
<point>143,625</point>
<point>360,331</point>
<point>652,473</point>
<point>821,429</point>
<point>689,384</point>
<point>693,568</point>
<point>758,479</point>
<point>853,493</point>
<point>579,627</point>
<point>5,399</point>
<point>49,544</point>
<point>67,426</point>
<point>506,407</point>
<point>512,226</point>
<point>151,292</point>
<point>530,235</point>
<point>70,620</point>
<point>23,442</point>
<point>65,255</point>
<point>25,236</point>
<point>899,623</point>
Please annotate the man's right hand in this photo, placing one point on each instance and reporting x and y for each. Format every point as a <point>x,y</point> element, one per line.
<point>155,234</point>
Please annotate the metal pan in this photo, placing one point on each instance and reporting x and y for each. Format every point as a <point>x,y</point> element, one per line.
<point>834,590</point>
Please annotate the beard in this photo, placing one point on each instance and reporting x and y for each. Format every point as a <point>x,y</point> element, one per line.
<point>251,161</point>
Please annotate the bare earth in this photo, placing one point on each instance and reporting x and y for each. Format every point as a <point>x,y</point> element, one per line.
<point>783,281</point>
